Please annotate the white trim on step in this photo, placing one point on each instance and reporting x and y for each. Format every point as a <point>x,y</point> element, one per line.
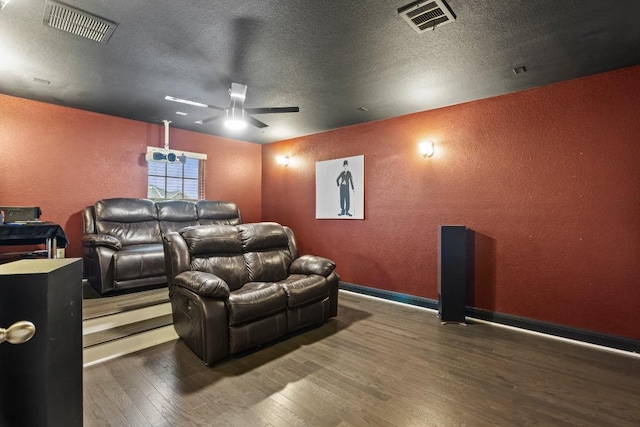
<point>112,349</point>
<point>103,323</point>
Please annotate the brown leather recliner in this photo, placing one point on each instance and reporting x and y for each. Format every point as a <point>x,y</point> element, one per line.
<point>233,288</point>
<point>122,238</point>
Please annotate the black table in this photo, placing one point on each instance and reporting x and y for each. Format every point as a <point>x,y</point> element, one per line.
<point>49,233</point>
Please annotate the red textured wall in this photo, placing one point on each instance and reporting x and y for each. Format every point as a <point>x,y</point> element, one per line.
<point>548,178</point>
<point>63,159</point>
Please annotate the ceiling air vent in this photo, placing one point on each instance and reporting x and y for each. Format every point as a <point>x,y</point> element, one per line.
<point>426,14</point>
<point>75,21</point>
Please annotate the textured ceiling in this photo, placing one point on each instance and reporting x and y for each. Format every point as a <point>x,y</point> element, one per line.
<point>327,57</point>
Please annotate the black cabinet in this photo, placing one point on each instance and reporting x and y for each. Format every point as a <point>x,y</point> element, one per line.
<point>41,379</point>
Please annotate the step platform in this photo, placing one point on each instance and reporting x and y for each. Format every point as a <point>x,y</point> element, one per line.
<point>113,326</point>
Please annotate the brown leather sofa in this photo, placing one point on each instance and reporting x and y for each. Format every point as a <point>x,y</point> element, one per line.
<point>122,238</point>
<point>234,288</point>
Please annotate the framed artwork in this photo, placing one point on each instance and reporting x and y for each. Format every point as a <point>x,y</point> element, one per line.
<point>340,188</point>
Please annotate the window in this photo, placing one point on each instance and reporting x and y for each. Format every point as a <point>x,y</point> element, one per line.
<point>176,180</point>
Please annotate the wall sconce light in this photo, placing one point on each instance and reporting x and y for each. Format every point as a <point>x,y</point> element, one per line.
<point>427,148</point>
<point>283,160</point>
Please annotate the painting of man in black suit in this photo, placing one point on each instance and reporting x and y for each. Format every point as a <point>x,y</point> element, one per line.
<point>344,181</point>
<point>348,174</point>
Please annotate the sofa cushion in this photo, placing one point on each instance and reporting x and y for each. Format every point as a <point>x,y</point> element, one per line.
<point>266,251</point>
<point>212,239</point>
<point>255,300</point>
<point>303,290</point>
<point>217,249</point>
<point>263,236</point>
<point>217,212</point>
<point>174,215</point>
<point>131,221</point>
<point>269,266</point>
<point>138,261</point>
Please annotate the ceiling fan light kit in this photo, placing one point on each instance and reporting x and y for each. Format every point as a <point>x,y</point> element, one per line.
<point>234,115</point>
<point>234,118</point>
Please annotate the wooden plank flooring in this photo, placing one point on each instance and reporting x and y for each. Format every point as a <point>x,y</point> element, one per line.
<point>376,364</point>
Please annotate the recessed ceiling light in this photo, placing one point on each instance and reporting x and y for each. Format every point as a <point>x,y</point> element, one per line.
<point>181,113</point>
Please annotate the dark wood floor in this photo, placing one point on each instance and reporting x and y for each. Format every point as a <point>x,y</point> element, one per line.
<point>377,364</point>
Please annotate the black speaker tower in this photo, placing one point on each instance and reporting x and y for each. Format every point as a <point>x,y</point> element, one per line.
<point>452,273</point>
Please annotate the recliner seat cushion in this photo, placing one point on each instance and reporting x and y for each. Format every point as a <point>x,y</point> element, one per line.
<point>254,301</point>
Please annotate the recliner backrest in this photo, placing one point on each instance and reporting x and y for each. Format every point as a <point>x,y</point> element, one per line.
<point>175,215</point>
<point>89,220</point>
<point>217,249</point>
<point>132,221</point>
<point>266,251</point>
<point>217,212</point>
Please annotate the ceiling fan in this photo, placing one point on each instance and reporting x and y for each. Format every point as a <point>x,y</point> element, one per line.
<point>235,117</point>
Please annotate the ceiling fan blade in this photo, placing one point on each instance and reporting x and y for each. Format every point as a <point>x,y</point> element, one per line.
<point>207,120</point>
<point>269,110</point>
<point>194,103</point>
<point>255,122</point>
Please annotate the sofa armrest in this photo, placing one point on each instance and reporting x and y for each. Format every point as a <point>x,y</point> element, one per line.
<point>204,284</point>
<point>102,240</point>
<point>312,264</point>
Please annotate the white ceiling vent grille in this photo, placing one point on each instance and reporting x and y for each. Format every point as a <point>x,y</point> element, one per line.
<point>426,14</point>
<point>75,21</point>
